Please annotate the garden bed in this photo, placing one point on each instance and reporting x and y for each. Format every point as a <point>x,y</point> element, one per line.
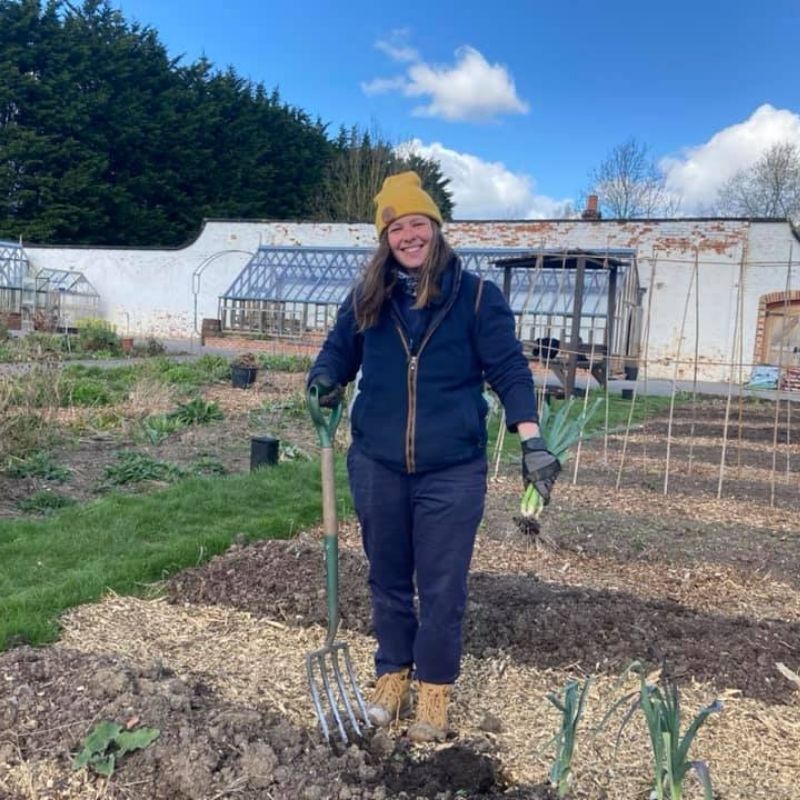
<point>214,659</point>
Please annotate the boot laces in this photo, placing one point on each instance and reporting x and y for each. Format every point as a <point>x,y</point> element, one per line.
<point>432,704</point>
<point>390,690</point>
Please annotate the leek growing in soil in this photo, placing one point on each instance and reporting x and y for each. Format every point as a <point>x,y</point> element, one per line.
<point>561,432</point>
<point>570,704</point>
<point>662,710</point>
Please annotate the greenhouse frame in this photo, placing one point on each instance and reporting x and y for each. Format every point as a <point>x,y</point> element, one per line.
<point>47,298</point>
<point>293,293</point>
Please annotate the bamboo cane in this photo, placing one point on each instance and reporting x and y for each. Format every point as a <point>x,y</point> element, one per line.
<point>675,381</point>
<point>696,356</point>
<point>737,332</point>
<point>778,397</point>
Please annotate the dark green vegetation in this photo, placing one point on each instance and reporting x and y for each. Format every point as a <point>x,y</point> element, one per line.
<point>107,139</point>
<point>125,543</point>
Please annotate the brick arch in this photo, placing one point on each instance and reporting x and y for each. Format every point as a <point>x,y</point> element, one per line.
<point>765,302</point>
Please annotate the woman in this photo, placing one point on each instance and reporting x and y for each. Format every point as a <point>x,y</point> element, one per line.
<point>425,334</point>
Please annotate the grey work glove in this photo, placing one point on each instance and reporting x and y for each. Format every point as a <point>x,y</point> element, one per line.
<point>539,466</point>
<point>329,394</point>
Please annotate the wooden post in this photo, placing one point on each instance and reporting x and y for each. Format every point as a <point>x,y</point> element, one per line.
<point>577,313</point>
<point>610,320</point>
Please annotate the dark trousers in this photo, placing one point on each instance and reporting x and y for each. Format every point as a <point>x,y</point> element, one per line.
<point>418,526</point>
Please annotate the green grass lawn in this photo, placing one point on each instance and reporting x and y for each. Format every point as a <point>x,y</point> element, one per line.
<point>125,543</point>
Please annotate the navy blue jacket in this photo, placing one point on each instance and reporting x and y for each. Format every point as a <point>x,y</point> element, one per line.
<point>420,404</point>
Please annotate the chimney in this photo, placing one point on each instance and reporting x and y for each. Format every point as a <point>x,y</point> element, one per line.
<point>591,211</point>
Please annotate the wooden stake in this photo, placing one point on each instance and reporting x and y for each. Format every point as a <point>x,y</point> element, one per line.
<point>778,396</point>
<point>736,335</point>
<point>675,379</point>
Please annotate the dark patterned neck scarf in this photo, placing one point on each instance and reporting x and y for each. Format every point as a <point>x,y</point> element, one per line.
<point>408,281</point>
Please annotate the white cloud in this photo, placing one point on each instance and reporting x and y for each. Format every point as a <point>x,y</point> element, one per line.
<point>487,190</point>
<point>697,174</point>
<point>396,48</point>
<point>471,89</point>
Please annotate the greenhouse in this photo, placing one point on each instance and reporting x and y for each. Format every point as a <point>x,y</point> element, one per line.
<point>47,299</point>
<point>14,269</point>
<point>294,292</point>
<point>66,295</point>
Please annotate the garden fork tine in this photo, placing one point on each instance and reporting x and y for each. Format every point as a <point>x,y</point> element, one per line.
<point>317,662</point>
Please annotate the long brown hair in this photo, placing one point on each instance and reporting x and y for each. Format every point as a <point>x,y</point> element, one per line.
<point>378,279</point>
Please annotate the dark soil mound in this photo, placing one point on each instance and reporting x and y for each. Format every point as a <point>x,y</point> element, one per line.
<point>538,623</point>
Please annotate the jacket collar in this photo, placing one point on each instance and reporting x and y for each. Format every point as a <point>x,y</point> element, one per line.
<point>449,282</point>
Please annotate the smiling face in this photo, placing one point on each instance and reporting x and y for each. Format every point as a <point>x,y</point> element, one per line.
<point>410,240</point>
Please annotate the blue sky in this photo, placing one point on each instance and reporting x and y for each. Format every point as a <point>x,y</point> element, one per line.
<point>519,100</point>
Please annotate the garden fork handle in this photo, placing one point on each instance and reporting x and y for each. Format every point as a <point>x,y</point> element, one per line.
<point>326,430</point>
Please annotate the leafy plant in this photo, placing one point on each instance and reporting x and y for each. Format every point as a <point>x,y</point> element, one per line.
<point>561,431</point>
<point>206,465</point>
<point>45,503</point>
<point>292,406</point>
<point>570,703</point>
<point>153,347</point>
<point>245,361</point>
<point>291,452</point>
<point>133,467</point>
<point>661,707</point>
<point>98,334</point>
<point>39,345</point>
<point>95,386</point>
<point>197,412</point>
<point>282,362</point>
<point>189,374</point>
<point>108,743</point>
<point>158,427</point>
<point>37,465</point>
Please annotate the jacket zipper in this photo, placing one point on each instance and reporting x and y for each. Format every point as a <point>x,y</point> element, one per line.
<point>413,364</point>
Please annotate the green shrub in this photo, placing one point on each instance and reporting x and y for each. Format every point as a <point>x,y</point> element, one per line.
<point>97,334</point>
<point>37,465</point>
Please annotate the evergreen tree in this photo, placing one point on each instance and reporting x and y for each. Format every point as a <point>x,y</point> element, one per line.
<point>106,140</point>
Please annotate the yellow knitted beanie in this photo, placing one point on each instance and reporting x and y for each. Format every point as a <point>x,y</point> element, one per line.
<point>400,195</point>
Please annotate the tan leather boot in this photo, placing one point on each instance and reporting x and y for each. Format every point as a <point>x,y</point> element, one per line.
<point>391,698</point>
<point>430,724</point>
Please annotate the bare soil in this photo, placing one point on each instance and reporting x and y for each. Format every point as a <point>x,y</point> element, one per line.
<point>705,587</point>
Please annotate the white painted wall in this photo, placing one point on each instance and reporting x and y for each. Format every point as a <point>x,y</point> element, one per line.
<point>153,291</point>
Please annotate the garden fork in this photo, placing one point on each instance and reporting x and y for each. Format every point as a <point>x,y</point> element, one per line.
<point>330,669</point>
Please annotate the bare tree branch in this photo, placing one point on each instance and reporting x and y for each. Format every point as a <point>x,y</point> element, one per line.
<point>770,188</point>
<point>629,184</point>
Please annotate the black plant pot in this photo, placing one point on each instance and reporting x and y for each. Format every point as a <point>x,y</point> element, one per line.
<point>631,373</point>
<point>242,377</point>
